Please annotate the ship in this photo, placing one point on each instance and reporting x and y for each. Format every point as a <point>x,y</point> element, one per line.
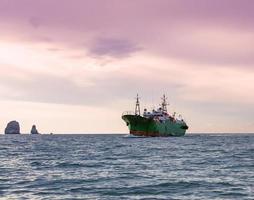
<point>156,123</point>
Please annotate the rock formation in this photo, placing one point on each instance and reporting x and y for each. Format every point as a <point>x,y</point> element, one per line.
<point>12,128</point>
<point>34,130</point>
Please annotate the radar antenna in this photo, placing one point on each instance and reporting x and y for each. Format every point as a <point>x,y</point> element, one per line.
<point>164,103</point>
<point>137,108</point>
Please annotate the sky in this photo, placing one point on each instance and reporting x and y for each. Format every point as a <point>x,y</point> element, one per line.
<point>73,66</point>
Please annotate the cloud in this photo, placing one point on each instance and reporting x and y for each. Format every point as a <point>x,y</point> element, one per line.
<point>35,22</point>
<point>22,84</point>
<point>206,45</point>
<point>203,31</point>
<point>85,87</point>
<point>112,47</point>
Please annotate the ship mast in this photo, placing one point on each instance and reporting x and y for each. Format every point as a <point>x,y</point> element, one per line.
<point>164,103</point>
<point>137,108</point>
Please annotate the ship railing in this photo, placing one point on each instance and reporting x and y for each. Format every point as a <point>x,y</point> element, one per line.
<point>128,113</point>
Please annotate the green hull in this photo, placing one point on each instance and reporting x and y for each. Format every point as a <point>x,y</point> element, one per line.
<point>141,126</point>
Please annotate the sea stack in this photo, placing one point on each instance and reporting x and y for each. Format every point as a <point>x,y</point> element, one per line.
<point>34,130</point>
<point>12,128</point>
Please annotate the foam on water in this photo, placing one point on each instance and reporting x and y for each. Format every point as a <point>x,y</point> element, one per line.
<point>132,136</point>
<point>113,167</point>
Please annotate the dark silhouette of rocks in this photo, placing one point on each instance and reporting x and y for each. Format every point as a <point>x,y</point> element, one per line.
<point>34,130</point>
<point>12,128</point>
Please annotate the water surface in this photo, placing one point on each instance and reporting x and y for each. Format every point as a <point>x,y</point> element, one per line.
<point>118,167</point>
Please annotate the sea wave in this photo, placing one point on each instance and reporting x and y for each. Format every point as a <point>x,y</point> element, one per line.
<point>113,167</point>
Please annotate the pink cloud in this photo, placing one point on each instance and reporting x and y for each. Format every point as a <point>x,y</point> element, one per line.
<point>164,27</point>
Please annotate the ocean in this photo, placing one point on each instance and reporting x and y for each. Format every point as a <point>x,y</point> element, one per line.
<point>196,166</point>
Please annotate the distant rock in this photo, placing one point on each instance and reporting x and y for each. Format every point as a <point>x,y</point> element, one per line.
<point>12,128</point>
<point>34,130</point>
